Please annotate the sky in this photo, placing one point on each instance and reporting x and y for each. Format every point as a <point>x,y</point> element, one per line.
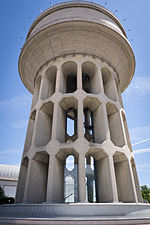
<point>15,101</point>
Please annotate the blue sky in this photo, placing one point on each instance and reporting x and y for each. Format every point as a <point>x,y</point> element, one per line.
<point>15,101</point>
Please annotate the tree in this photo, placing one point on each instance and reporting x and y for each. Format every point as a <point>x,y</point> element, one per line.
<point>4,199</point>
<point>145,193</point>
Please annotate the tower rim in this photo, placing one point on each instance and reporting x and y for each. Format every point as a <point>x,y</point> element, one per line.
<point>75,3</point>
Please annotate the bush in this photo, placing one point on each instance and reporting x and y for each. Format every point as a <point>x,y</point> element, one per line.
<point>4,199</point>
<point>145,193</point>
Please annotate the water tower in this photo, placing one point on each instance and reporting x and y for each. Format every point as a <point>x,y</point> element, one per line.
<point>76,61</point>
<point>77,164</point>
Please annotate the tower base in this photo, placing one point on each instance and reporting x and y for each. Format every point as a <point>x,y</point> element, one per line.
<point>76,213</point>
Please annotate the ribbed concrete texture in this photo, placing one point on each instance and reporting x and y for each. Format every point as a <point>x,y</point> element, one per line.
<point>77,61</point>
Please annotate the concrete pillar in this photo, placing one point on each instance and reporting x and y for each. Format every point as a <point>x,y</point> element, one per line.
<point>22,181</point>
<point>55,120</point>
<point>126,191</point>
<point>43,92</point>
<point>55,183</point>
<point>80,119</point>
<point>81,178</point>
<point>104,182</point>
<point>137,185</point>
<point>27,182</point>
<point>96,82</point>
<point>105,121</point>
<point>113,179</point>
<point>133,182</point>
<point>79,76</point>
<point>58,77</point>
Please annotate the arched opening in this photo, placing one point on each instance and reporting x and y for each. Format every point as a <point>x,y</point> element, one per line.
<point>49,83</point>
<point>67,120</point>
<point>71,125</point>
<point>86,84</point>
<point>22,180</point>
<point>70,180</point>
<point>36,91</point>
<point>88,125</point>
<point>115,125</point>
<point>93,118</point>
<point>90,172</point>
<point>109,84</point>
<point>71,83</point>
<point>68,82</point>
<point>30,129</point>
<point>90,78</point>
<point>123,178</point>
<point>37,188</point>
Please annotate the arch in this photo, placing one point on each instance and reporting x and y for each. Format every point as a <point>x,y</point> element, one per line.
<point>70,179</point>
<point>90,79</point>
<point>90,175</point>
<point>49,82</point>
<point>109,84</point>
<point>69,159</point>
<point>67,115</point>
<point>69,77</point>
<point>36,91</point>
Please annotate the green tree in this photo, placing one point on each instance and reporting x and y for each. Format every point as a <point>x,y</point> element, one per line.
<point>145,193</point>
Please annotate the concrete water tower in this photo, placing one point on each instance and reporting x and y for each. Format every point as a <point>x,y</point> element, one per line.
<point>76,62</point>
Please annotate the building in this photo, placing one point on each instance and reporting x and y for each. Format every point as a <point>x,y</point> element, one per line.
<point>9,179</point>
<point>76,61</point>
<point>76,67</point>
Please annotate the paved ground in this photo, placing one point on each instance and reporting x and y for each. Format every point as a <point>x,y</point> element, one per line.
<point>73,221</point>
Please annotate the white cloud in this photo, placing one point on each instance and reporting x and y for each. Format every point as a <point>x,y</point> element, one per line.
<point>140,151</point>
<point>17,101</point>
<point>139,134</point>
<point>19,124</point>
<point>139,86</point>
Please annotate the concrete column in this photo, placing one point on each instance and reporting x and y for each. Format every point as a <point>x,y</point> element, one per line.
<point>79,76</point>
<point>115,89</point>
<point>113,179</point>
<point>133,181</point>
<point>105,122</point>
<point>27,182</point>
<point>35,127</point>
<point>59,73</point>
<point>137,185</point>
<point>123,130</point>
<point>80,119</point>
<point>42,87</point>
<point>55,183</point>
<point>54,123</point>
<point>81,178</point>
<point>98,82</point>
<point>21,181</point>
